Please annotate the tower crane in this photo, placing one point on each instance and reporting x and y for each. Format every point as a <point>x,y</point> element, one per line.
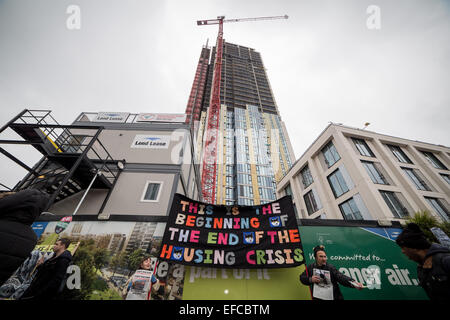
<point>209,157</point>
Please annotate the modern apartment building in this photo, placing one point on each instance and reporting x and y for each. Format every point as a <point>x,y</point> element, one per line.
<point>254,150</point>
<point>355,174</point>
<point>244,79</point>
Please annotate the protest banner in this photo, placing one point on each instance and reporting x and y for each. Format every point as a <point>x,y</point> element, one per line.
<point>205,235</point>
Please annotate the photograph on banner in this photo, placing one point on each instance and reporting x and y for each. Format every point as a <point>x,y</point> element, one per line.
<point>369,256</point>
<point>111,261</point>
<point>219,236</point>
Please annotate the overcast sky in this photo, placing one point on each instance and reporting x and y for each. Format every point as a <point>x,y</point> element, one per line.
<point>330,61</point>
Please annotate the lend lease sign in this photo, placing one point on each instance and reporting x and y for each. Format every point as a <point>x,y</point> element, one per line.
<point>150,142</point>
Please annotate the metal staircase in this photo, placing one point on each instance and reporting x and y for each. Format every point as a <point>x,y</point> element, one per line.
<point>72,155</point>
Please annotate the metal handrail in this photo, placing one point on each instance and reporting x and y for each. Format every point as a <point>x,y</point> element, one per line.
<point>32,180</point>
<point>64,141</point>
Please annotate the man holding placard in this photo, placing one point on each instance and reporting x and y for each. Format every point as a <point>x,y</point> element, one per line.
<point>324,278</point>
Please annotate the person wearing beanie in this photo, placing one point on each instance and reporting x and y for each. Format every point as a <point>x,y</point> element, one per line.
<point>320,275</point>
<point>433,262</point>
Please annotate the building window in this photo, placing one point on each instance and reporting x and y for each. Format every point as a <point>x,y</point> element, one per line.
<point>446,177</point>
<point>337,183</point>
<point>288,190</point>
<point>350,211</point>
<point>362,147</point>
<point>374,173</point>
<point>413,175</point>
<point>399,154</point>
<point>152,191</point>
<point>311,203</point>
<point>229,193</point>
<point>439,207</point>
<point>394,204</point>
<point>330,154</point>
<point>306,177</point>
<point>434,161</point>
<point>245,191</point>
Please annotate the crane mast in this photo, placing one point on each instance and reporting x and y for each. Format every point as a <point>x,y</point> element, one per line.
<point>209,167</point>
<point>212,126</point>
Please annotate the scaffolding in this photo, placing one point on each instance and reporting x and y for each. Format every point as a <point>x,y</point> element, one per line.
<point>72,156</point>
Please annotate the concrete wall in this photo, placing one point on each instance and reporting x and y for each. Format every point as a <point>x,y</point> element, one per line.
<point>126,198</point>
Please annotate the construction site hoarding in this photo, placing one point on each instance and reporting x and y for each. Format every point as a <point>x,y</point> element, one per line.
<point>107,254</point>
<point>370,256</point>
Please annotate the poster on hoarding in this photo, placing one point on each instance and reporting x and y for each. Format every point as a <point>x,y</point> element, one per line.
<point>62,224</point>
<point>369,256</point>
<point>204,235</point>
<point>107,262</point>
<point>108,253</point>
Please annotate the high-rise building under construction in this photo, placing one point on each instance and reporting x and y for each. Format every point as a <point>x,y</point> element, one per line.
<point>253,150</point>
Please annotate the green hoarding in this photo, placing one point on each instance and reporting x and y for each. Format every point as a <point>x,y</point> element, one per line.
<point>358,251</point>
<point>368,255</point>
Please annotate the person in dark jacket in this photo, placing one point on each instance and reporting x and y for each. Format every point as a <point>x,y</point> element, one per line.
<point>18,211</point>
<point>50,274</point>
<point>433,262</point>
<point>315,274</point>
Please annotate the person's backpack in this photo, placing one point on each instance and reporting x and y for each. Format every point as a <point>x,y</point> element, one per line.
<point>439,274</point>
<point>437,284</point>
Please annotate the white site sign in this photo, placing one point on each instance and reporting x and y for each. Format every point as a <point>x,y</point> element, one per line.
<point>145,141</point>
<point>161,117</point>
<point>120,117</point>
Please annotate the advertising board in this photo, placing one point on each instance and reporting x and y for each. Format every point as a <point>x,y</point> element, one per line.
<point>369,256</point>
<point>161,117</point>
<point>108,254</point>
